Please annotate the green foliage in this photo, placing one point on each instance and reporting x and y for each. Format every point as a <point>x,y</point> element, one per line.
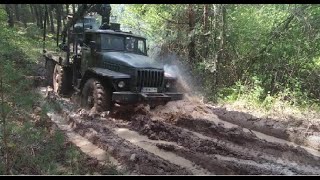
<point>33,31</point>
<point>32,147</point>
<point>267,53</point>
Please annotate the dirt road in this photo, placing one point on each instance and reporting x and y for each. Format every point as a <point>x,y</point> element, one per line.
<point>183,137</point>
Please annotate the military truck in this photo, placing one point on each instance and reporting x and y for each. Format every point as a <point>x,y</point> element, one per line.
<point>107,66</point>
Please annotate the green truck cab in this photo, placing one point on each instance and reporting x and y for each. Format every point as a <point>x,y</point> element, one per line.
<point>106,65</point>
<point>113,67</point>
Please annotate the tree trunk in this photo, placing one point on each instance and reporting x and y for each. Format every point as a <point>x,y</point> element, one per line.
<point>46,15</point>
<point>191,45</point>
<point>41,16</point>
<point>58,17</point>
<point>73,8</point>
<point>67,9</point>
<point>222,33</point>
<point>37,14</point>
<point>213,65</point>
<point>205,50</point>
<point>205,17</point>
<point>221,50</point>
<point>45,25</point>
<point>24,10</point>
<point>63,15</point>
<point>17,12</point>
<point>50,12</point>
<point>33,15</point>
<point>66,16</point>
<point>10,15</point>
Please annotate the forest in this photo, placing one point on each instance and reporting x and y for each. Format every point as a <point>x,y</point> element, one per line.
<point>256,66</point>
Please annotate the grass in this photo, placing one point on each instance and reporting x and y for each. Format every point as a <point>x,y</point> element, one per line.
<point>285,106</point>
<point>33,146</point>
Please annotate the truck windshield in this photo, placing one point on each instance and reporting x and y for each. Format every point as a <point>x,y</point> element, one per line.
<point>123,43</point>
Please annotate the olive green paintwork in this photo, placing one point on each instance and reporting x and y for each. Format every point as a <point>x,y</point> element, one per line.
<point>129,59</point>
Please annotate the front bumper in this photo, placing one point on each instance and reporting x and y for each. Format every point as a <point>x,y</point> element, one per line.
<point>130,97</point>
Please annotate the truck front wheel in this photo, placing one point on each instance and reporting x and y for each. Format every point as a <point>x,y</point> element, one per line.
<point>95,96</point>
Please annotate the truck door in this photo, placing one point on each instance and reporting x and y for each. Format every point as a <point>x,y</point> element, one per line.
<point>86,57</point>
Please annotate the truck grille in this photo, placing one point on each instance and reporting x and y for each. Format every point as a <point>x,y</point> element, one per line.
<point>150,78</point>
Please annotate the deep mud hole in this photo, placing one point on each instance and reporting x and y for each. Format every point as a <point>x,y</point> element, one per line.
<point>184,137</point>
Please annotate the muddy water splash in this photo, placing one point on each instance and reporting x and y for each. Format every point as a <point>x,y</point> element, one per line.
<point>190,106</point>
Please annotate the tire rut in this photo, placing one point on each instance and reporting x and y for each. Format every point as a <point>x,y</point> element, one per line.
<point>104,137</point>
<point>200,143</point>
<point>188,146</point>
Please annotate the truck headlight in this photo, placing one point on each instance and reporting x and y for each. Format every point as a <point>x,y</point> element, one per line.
<point>121,84</point>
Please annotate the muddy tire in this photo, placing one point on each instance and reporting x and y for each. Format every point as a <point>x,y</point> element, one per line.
<point>62,84</point>
<point>96,96</point>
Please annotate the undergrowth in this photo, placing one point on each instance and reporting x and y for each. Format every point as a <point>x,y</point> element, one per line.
<point>32,146</point>
<point>252,96</point>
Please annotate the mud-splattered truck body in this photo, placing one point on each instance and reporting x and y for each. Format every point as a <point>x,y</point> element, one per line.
<point>108,66</point>
<point>122,59</point>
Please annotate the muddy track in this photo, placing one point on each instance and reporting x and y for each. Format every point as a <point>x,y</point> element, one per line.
<point>185,145</point>
<point>136,159</point>
<point>298,131</point>
<point>239,145</point>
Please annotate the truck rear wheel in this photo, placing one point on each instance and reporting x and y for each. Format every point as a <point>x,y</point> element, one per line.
<point>49,72</point>
<point>61,80</point>
<point>95,96</point>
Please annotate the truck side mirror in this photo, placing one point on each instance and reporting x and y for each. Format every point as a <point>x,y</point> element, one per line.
<point>92,45</point>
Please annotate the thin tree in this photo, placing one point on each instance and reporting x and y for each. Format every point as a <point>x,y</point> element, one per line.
<point>41,15</point>
<point>58,17</point>
<point>36,12</point>
<point>73,8</point>
<point>24,10</point>
<point>191,23</point>
<point>50,12</point>
<point>205,31</point>
<point>46,15</point>
<point>8,8</point>
<point>33,14</point>
<point>67,9</point>
<point>17,12</point>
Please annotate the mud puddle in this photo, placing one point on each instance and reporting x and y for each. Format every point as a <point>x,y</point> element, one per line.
<point>149,145</point>
<point>186,139</point>
<point>192,108</point>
